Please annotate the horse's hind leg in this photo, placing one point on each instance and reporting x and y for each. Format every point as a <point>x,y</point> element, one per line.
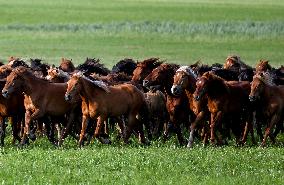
<point>2,131</point>
<point>100,122</point>
<point>134,124</point>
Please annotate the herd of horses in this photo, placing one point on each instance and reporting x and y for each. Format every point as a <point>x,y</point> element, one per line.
<point>151,99</point>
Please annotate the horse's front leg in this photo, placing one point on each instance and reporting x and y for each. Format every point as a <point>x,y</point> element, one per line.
<point>85,120</point>
<point>199,118</point>
<point>215,119</point>
<point>66,129</point>
<point>97,134</point>
<point>274,119</point>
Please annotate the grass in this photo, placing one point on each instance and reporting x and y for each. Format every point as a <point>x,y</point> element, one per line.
<point>179,31</point>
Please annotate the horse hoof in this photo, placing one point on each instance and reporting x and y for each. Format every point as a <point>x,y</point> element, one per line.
<point>32,137</point>
<point>105,141</point>
<point>189,145</point>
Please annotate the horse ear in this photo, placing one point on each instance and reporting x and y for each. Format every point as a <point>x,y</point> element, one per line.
<point>52,66</point>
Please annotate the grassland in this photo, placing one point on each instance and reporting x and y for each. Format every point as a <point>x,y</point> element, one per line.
<point>180,31</point>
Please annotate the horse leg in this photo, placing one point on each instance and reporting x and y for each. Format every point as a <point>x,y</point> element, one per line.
<point>100,122</point>
<point>66,129</point>
<point>199,118</point>
<point>215,119</point>
<point>85,120</point>
<point>134,124</point>
<point>2,131</point>
<point>26,127</point>
<point>275,118</point>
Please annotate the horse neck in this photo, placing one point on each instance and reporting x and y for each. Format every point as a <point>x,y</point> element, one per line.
<point>89,90</point>
<point>191,86</point>
<point>33,84</point>
<point>217,88</point>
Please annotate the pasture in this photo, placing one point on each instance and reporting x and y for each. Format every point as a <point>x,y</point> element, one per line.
<point>179,31</point>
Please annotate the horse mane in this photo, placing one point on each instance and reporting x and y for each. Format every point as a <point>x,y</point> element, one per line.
<point>99,84</point>
<point>266,78</point>
<point>92,65</point>
<point>16,62</point>
<point>126,66</point>
<point>187,70</point>
<point>150,63</point>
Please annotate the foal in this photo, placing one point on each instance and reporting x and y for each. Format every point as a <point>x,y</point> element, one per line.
<point>100,101</point>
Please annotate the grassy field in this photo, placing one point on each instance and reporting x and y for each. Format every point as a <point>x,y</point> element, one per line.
<point>180,31</point>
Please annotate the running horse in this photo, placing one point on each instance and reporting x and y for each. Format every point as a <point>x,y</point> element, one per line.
<point>227,101</point>
<point>41,98</point>
<point>185,81</point>
<point>177,106</point>
<point>271,98</point>
<point>100,102</point>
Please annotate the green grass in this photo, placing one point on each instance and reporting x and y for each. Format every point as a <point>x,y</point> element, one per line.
<point>179,31</point>
<point>176,31</point>
<point>40,163</point>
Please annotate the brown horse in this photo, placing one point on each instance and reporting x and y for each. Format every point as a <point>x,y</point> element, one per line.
<point>41,98</point>
<point>227,101</point>
<point>66,65</point>
<point>185,81</point>
<point>11,107</point>
<point>262,66</point>
<point>144,68</point>
<point>271,98</point>
<point>57,75</point>
<point>100,101</point>
<point>177,106</point>
<point>234,62</point>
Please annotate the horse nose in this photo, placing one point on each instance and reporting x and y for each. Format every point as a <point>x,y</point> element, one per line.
<point>5,93</point>
<point>145,82</point>
<point>197,97</point>
<point>67,97</point>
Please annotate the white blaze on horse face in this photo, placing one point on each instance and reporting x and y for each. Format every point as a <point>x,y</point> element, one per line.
<point>172,89</point>
<point>199,82</point>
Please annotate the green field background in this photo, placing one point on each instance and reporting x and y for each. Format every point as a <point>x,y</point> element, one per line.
<point>178,31</point>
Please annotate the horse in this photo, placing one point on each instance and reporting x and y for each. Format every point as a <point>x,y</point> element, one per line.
<point>278,74</point>
<point>41,98</point>
<point>144,68</point>
<point>185,81</point>
<point>57,75</point>
<point>177,106</point>
<point>11,107</point>
<point>221,95</point>
<point>40,69</point>
<point>92,65</point>
<point>271,98</point>
<point>66,65</point>
<point>100,101</point>
<point>126,66</point>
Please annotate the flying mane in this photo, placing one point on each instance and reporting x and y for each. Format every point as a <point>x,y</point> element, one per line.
<point>187,70</point>
<point>266,78</point>
<point>99,84</point>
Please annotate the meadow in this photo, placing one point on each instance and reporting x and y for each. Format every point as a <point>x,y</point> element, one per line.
<point>178,31</point>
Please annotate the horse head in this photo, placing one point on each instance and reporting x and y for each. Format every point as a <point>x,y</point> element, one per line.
<point>257,85</point>
<point>14,81</point>
<point>184,78</point>
<point>73,86</point>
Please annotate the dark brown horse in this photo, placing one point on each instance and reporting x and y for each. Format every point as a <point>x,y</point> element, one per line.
<point>41,98</point>
<point>227,101</point>
<point>177,106</point>
<point>271,98</point>
<point>101,101</point>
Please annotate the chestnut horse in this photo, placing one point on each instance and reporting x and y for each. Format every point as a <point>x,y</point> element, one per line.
<point>185,81</point>
<point>226,101</point>
<point>101,101</point>
<point>271,98</point>
<point>66,65</point>
<point>144,68</point>
<point>41,98</point>
<point>11,107</point>
<point>177,106</point>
